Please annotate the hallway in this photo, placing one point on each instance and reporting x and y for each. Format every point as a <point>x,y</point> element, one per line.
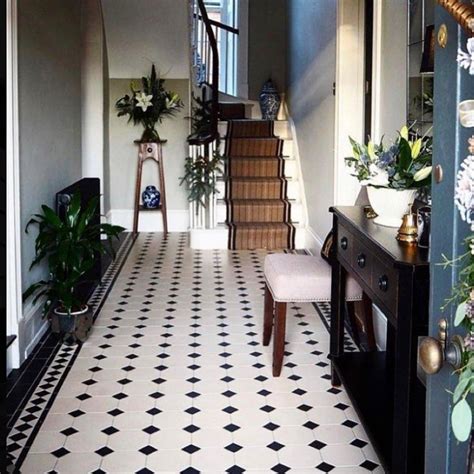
<point>174,378</point>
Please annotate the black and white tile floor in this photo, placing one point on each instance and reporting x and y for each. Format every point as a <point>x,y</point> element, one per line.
<point>174,379</point>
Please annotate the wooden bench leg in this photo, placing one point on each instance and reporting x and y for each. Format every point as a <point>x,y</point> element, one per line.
<point>267,316</point>
<point>279,338</point>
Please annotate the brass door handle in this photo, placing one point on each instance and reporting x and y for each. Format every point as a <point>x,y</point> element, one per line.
<point>434,353</point>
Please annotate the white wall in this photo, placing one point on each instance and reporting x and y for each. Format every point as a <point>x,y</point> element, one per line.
<point>311,66</point>
<point>140,32</point>
<point>123,158</point>
<point>49,88</point>
<point>389,111</point>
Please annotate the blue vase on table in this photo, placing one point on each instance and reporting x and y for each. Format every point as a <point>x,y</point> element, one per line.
<point>151,197</point>
<point>270,101</point>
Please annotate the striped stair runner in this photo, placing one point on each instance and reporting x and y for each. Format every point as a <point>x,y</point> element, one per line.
<point>258,211</point>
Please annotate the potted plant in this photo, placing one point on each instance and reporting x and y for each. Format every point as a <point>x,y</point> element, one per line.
<point>393,174</point>
<point>149,105</point>
<point>70,246</point>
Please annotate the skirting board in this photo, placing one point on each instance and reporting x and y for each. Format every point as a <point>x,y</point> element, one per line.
<point>311,241</point>
<point>150,221</point>
<point>206,239</point>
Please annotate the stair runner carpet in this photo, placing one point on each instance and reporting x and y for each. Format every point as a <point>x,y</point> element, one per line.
<point>258,211</point>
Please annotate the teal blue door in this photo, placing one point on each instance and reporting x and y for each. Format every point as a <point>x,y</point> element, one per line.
<point>452,85</point>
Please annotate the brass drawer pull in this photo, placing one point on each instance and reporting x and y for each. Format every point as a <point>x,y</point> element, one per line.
<point>361,260</point>
<point>344,243</point>
<point>383,283</point>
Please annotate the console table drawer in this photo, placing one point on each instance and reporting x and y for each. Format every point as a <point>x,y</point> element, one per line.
<point>362,261</point>
<point>345,243</point>
<point>385,284</point>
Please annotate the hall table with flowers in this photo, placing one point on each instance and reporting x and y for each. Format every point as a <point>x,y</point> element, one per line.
<point>383,385</point>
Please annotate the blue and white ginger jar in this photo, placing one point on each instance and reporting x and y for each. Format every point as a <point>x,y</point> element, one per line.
<point>151,197</point>
<point>270,101</point>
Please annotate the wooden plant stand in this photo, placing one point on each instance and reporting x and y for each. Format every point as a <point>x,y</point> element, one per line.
<point>150,151</point>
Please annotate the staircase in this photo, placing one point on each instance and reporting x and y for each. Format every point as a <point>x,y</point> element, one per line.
<point>257,204</point>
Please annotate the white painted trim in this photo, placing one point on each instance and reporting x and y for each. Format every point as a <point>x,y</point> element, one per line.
<point>380,328</point>
<point>150,221</point>
<point>350,94</point>
<point>377,60</point>
<point>13,245</point>
<point>314,242</point>
<point>38,335</point>
<point>243,49</point>
<point>206,239</point>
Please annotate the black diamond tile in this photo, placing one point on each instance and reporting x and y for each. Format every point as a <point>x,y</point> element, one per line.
<point>264,393</point>
<point>153,411</point>
<point>358,443</point>
<point>89,382</point>
<point>275,446</point>
<point>369,465</point>
<point>267,408</point>
<point>83,397</point>
<point>69,431</point>
<point>190,449</point>
<point>310,425</point>
<point>190,470</point>
<point>150,429</point>
<point>124,381</point>
<point>148,450</point>
<point>110,430</point>
<point>191,428</point>
<point>156,395</point>
<point>317,444</point>
<point>334,391</point>
<point>228,393</point>
<point>341,406</point>
<point>271,426</point>
<point>59,453</point>
<point>76,413</point>
<point>299,391</point>
<point>350,423</point>
<point>193,394</point>
<point>233,447</point>
<point>144,471</point>
<point>304,407</point>
<point>120,396</point>
<point>192,410</point>
<point>231,427</point>
<point>325,467</point>
<point>230,409</point>
<point>104,451</point>
<point>115,412</point>
<point>280,468</point>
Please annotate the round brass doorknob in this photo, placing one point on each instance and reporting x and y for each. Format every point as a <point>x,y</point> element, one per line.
<point>431,355</point>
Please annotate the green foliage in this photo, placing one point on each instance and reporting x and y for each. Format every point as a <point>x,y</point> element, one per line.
<point>70,247</point>
<point>201,116</point>
<point>200,177</point>
<point>462,296</point>
<point>149,104</point>
<point>405,164</point>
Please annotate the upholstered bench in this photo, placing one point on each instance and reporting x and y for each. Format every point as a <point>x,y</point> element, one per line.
<point>298,279</point>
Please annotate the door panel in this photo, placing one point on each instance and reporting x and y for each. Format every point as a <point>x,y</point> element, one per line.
<point>451,85</point>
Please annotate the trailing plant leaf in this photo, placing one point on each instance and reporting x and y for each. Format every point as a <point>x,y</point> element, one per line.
<point>461,420</point>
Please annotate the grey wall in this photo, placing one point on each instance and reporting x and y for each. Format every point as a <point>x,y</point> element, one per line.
<point>145,31</point>
<point>311,73</point>
<point>49,75</point>
<point>123,152</point>
<point>267,35</point>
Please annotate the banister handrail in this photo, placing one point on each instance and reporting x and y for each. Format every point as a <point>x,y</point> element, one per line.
<point>215,67</point>
<point>220,25</point>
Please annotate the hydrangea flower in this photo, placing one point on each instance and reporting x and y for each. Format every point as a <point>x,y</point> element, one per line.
<point>464,192</point>
<point>466,58</point>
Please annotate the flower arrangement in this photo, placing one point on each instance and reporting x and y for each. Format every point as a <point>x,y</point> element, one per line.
<point>463,296</point>
<point>405,164</point>
<point>149,105</point>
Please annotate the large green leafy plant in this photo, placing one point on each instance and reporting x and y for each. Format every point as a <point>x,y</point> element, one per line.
<point>70,246</point>
<point>149,105</point>
<point>405,164</point>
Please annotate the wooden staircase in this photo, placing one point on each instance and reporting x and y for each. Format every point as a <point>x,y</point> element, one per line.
<point>258,210</point>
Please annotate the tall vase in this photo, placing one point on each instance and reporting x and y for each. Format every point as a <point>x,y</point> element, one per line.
<point>390,204</point>
<point>270,101</point>
<point>150,134</point>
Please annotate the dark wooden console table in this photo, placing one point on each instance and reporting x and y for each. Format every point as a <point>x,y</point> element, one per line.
<point>383,385</point>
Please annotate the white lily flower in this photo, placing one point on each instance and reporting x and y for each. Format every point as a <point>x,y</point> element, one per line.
<point>422,174</point>
<point>143,100</point>
<point>466,59</point>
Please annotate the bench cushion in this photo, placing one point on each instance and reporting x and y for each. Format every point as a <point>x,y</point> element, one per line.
<point>300,278</point>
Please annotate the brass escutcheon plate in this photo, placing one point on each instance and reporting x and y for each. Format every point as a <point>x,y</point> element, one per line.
<point>443,35</point>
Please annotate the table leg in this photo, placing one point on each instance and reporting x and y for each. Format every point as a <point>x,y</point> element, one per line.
<point>338,297</point>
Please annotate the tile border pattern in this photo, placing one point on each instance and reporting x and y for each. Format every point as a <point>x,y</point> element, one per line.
<point>25,428</point>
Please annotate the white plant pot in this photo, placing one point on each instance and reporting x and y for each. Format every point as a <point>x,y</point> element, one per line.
<point>390,205</point>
